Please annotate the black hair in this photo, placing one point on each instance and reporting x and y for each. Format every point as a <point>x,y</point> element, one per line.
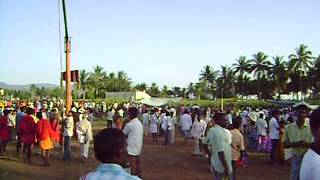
<point>6,112</point>
<point>275,112</point>
<point>315,120</point>
<point>236,122</point>
<point>261,115</point>
<point>23,109</point>
<point>107,143</point>
<point>39,115</point>
<point>29,111</point>
<point>133,112</point>
<point>220,116</point>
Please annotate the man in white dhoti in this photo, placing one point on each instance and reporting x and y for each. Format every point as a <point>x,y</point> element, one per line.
<point>84,132</point>
<point>198,128</point>
<point>146,122</point>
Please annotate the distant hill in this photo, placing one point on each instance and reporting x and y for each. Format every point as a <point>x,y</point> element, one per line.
<point>26,87</point>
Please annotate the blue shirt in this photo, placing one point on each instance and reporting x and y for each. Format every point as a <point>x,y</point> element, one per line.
<point>19,117</point>
<point>109,172</point>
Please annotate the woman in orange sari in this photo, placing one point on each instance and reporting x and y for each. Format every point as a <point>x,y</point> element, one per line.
<point>54,122</point>
<point>44,135</point>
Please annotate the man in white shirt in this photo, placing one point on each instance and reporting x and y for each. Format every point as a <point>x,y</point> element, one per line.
<point>274,133</point>
<point>261,126</point>
<point>219,139</point>
<point>67,134</point>
<point>185,124</point>
<point>310,167</point>
<point>146,121</point>
<point>134,132</point>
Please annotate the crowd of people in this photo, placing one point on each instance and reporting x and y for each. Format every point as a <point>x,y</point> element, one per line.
<point>225,137</point>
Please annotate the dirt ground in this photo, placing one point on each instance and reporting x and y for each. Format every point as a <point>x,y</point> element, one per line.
<point>158,163</point>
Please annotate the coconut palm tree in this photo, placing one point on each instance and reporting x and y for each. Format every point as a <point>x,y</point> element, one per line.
<point>191,89</point>
<point>240,68</point>
<point>154,90</point>
<point>300,63</point>
<point>164,91</point>
<point>225,83</point>
<point>208,75</point>
<point>279,74</point>
<point>314,78</point>
<point>260,66</point>
<point>123,82</point>
<point>141,87</point>
<point>97,80</point>
<point>84,84</point>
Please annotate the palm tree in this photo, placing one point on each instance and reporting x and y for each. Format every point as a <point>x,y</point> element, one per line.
<point>176,91</point>
<point>260,66</point>
<point>165,91</point>
<point>225,82</point>
<point>154,90</point>
<point>240,68</point>
<point>209,76</point>
<point>279,74</point>
<point>123,82</point>
<point>314,78</point>
<point>300,62</point>
<point>97,80</point>
<point>141,87</point>
<point>190,89</point>
<point>84,84</point>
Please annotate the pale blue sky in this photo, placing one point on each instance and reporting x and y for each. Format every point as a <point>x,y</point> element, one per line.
<point>163,41</point>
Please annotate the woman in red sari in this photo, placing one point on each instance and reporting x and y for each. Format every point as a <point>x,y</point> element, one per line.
<point>44,134</point>
<point>4,132</point>
<point>27,130</point>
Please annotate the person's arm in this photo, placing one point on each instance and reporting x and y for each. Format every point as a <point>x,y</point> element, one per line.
<point>126,130</point>
<point>288,144</point>
<point>223,162</point>
<point>242,148</point>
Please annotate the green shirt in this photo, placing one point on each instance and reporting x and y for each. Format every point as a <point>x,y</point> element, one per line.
<point>220,141</point>
<point>295,134</point>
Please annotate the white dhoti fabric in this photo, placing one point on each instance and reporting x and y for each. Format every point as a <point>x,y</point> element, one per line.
<point>172,137</point>
<point>84,149</point>
<point>196,148</point>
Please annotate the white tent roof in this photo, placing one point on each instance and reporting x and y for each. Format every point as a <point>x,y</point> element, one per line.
<point>156,102</point>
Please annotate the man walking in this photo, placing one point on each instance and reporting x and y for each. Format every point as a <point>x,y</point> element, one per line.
<point>298,137</point>
<point>220,140</point>
<point>134,132</point>
<point>274,133</point>
<point>67,134</point>
<point>185,124</point>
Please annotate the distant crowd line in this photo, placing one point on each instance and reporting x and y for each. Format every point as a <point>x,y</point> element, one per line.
<point>223,136</point>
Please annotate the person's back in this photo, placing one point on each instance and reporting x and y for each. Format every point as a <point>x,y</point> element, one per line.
<point>220,141</point>
<point>185,121</point>
<point>310,166</point>
<point>134,131</point>
<point>28,129</point>
<point>109,148</point>
<point>261,125</point>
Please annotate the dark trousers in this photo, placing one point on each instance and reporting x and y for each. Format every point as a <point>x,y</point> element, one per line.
<point>167,137</point>
<point>67,148</point>
<point>274,146</point>
<point>234,170</point>
<point>135,165</point>
<point>27,151</point>
<point>19,146</point>
<point>3,146</point>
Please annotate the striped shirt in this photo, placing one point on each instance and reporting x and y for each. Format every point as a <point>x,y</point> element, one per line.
<point>109,172</point>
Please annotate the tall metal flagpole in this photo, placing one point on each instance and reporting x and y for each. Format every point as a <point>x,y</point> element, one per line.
<point>68,63</point>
